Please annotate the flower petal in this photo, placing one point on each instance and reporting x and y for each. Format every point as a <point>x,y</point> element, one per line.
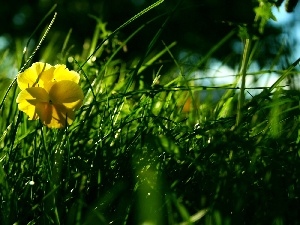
<point>28,98</point>
<point>48,85</point>
<point>44,110</point>
<point>55,116</point>
<point>38,93</point>
<point>62,73</point>
<point>35,75</point>
<point>67,93</point>
<point>26,103</point>
<point>62,115</point>
<point>49,93</point>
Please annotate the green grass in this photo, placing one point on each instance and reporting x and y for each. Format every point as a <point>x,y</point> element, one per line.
<point>143,152</point>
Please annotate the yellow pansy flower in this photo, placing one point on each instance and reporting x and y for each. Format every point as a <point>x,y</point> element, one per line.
<point>50,93</point>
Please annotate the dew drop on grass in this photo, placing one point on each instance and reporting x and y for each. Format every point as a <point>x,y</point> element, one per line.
<point>70,59</point>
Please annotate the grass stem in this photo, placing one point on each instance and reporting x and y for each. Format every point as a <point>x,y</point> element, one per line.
<point>245,63</point>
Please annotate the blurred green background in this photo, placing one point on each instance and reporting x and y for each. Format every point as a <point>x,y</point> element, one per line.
<point>195,25</point>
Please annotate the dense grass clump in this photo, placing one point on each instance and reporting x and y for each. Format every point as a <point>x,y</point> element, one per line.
<point>151,144</point>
